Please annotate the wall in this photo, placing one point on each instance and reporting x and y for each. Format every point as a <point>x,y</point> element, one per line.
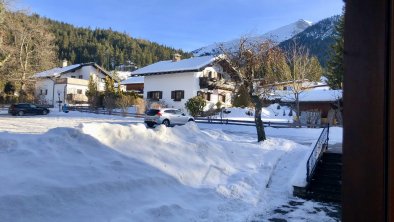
<point>52,95</point>
<point>45,84</point>
<point>186,81</point>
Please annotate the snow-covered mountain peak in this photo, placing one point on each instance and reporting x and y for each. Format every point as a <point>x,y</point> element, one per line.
<point>277,35</point>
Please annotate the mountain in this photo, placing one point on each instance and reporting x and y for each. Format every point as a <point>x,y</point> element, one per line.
<point>278,35</point>
<point>318,38</point>
<point>106,47</point>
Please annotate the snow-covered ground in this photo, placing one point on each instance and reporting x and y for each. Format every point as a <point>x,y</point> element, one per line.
<point>88,167</point>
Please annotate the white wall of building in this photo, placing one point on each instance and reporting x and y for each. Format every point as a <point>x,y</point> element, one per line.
<point>187,81</point>
<point>50,91</point>
<point>44,89</point>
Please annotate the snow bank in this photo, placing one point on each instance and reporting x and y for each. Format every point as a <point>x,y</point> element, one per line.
<point>272,113</point>
<point>114,172</point>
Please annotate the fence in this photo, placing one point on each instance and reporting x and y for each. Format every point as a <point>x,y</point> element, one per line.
<point>251,123</point>
<point>206,120</point>
<point>320,146</point>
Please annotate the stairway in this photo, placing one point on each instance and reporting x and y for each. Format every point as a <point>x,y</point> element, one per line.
<point>325,184</point>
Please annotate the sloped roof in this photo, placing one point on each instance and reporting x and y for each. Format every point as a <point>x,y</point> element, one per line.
<point>133,80</point>
<point>56,72</point>
<point>168,66</point>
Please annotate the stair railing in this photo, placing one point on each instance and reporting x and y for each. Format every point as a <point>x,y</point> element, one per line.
<point>317,152</point>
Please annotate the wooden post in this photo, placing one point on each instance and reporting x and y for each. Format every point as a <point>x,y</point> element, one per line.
<point>368,152</point>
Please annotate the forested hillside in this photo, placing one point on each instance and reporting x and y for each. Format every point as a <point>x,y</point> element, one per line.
<point>318,39</point>
<point>106,47</point>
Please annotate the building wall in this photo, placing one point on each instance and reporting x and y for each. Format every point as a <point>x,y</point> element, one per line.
<point>47,85</point>
<point>186,81</point>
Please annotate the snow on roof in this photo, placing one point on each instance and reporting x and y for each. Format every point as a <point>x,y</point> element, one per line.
<point>133,80</point>
<point>123,75</point>
<point>169,66</point>
<point>56,71</point>
<point>311,96</point>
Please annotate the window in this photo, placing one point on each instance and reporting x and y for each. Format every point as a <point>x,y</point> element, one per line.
<point>170,111</point>
<point>177,95</point>
<point>79,91</point>
<point>73,77</point>
<point>205,95</point>
<point>154,95</point>
<point>80,76</point>
<point>43,92</point>
<point>222,98</point>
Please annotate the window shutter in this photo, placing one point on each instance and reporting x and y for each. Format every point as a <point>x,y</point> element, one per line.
<point>182,94</point>
<point>160,94</point>
<point>172,94</point>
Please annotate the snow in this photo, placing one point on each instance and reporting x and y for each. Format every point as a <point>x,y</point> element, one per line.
<point>88,167</point>
<point>269,114</point>
<point>277,35</point>
<point>123,75</point>
<point>133,80</point>
<point>185,65</point>
<point>317,95</point>
<point>55,72</point>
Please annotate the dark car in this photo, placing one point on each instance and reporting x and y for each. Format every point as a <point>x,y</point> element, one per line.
<point>21,109</point>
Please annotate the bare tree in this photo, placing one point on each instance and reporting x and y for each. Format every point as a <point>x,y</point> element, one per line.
<point>257,65</point>
<point>30,46</point>
<point>304,69</point>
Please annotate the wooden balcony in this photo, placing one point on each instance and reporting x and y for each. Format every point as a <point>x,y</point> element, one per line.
<point>72,81</point>
<point>211,84</point>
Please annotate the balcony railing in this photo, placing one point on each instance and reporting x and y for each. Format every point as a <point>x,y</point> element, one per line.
<point>73,81</point>
<point>211,84</point>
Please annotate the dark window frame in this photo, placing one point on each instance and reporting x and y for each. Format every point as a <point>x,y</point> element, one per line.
<point>178,95</point>
<point>154,95</point>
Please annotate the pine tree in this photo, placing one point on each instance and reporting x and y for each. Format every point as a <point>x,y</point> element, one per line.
<point>335,68</point>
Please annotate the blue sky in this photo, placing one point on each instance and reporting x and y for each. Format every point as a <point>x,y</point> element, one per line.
<point>185,24</point>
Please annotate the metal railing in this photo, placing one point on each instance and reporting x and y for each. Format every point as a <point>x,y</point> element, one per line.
<point>317,152</point>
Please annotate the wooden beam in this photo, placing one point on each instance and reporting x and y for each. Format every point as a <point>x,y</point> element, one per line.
<point>365,111</point>
<point>390,152</point>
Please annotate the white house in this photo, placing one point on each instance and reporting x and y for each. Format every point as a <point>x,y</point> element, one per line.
<point>68,83</point>
<point>175,81</point>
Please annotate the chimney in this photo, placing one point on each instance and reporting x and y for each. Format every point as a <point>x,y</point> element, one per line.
<point>65,63</point>
<point>176,57</point>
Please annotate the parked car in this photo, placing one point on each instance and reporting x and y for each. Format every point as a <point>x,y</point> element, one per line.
<point>166,116</point>
<point>21,109</point>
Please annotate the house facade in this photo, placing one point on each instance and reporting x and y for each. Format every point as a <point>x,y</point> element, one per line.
<point>68,84</point>
<point>173,82</point>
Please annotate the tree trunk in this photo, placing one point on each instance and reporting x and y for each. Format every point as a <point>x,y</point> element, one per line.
<point>297,101</point>
<point>257,119</point>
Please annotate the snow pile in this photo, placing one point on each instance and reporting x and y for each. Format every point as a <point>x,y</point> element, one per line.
<point>113,172</point>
